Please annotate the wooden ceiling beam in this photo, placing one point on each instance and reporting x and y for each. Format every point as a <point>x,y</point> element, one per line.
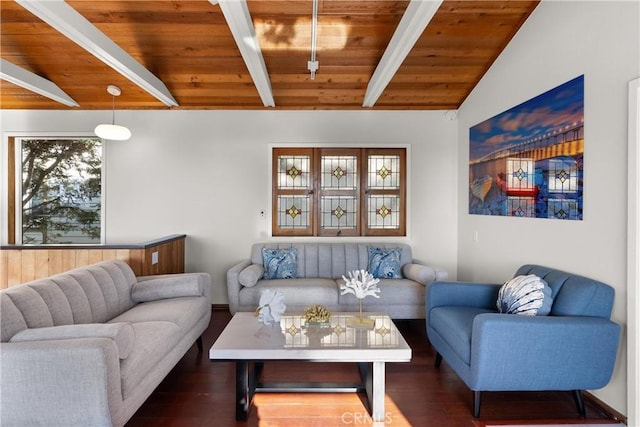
<point>69,22</point>
<point>415,19</point>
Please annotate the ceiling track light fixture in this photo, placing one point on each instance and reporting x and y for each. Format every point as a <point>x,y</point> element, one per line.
<point>113,131</point>
<point>313,65</point>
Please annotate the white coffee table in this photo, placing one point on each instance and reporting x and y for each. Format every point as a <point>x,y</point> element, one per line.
<point>245,340</point>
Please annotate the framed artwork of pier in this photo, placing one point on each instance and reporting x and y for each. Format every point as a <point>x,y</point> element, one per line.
<point>528,160</point>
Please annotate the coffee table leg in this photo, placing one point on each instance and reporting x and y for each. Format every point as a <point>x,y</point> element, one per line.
<point>372,375</point>
<point>243,396</point>
<point>246,383</point>
<point>377,410</point>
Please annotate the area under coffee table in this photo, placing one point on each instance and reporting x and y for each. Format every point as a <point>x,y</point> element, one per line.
<point>250,343</point>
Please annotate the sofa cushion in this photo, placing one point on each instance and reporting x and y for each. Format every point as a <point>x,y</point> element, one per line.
<point>166,287</point>
<point>384,262</point>
<point>454,325</point>
<point>330,260</point>
<point>147,352</point>
<point>183,312</point>
<point>295,291</point>
<point>121,333</point>
<point>392,291</point>
<point>250,275</point>
<point>527,295</point>
<point>280,263</point>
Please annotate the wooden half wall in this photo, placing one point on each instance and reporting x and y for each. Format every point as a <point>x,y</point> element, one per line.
<point>20,264</point>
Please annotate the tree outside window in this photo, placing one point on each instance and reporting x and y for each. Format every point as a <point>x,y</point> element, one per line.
<point>61,191</point>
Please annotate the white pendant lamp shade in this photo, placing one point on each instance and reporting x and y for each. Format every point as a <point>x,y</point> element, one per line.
<point>113,131</point>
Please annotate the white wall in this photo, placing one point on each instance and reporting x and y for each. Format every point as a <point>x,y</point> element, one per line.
<point>560,41</point>
<point>206,174</point>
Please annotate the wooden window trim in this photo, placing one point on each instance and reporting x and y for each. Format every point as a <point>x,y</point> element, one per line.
<point>275,191</point>
<point>361,193</point>
<point>319,154</point>
<point>401,192</point>
<point>11,193</point>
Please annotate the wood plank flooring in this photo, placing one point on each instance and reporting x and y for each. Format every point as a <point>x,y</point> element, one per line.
<point>199,392</point>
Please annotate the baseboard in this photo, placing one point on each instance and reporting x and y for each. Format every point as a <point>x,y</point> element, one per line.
<point>607,410</point>
<point>219,307</point>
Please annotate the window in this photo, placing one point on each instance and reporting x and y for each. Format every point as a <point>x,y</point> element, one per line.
<point>56,189</point>
<point>339,192</point>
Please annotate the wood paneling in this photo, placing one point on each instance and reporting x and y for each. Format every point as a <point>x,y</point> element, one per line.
<point>20,264</point>
<point>189,46</point>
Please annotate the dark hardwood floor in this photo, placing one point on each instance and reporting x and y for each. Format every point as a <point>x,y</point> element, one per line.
<point>199,392</point>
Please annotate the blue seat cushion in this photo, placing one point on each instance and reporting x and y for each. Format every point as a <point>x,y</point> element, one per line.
<point>454,325</point>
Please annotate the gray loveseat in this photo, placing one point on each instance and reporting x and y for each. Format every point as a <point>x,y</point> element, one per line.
<point>87,347</point>
<point>319,271</point>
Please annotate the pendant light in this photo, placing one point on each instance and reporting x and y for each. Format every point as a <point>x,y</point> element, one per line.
<point>113,131</point>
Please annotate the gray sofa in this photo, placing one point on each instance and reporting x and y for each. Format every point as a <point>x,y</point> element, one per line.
<point>320,267</point>
<point>87,347</point>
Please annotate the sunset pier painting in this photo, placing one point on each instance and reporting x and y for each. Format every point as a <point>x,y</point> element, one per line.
<point>528,160</point>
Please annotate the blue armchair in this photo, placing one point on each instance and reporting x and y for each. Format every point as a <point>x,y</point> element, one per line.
<point>573,348</point>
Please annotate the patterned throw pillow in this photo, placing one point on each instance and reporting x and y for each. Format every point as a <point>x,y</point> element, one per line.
<point>526,295</point>
<point>280,263</point>
<point>384,263</point>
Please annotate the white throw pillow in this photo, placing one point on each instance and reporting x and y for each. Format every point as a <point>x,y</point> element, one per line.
<point>527,295</point>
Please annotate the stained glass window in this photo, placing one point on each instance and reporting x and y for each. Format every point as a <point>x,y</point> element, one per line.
<point>339,172</point>
<point>339,191</point>
<point>384,172</point>
<point>338,213</point>
<point>293,212</point>
<point>293,172</point>
<point>383,212</point>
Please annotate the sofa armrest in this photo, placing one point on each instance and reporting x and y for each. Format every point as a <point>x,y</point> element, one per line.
<point>121,333</point>
<point>233,284</point>
<point>461,294</point>
<point>74,382</point>
<point>160,286</point>
<point>516,352</point>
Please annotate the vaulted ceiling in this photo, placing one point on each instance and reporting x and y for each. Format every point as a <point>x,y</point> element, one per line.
<point>190,48</point>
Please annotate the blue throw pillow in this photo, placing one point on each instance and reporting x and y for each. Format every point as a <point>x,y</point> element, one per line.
<point>527,295</point>
<point>384,263</point>
<point>280,263</point>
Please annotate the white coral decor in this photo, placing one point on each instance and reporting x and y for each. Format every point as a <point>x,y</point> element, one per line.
<point>271,307</point>
<point>360,283</point>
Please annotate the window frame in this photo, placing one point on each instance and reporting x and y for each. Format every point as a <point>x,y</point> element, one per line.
<point>361,193</point>
<point>14,178</point>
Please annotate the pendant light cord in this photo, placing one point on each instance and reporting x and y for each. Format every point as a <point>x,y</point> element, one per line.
<point>113,109</point>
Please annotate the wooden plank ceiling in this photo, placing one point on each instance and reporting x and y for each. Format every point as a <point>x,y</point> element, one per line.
<point>188,45</point>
